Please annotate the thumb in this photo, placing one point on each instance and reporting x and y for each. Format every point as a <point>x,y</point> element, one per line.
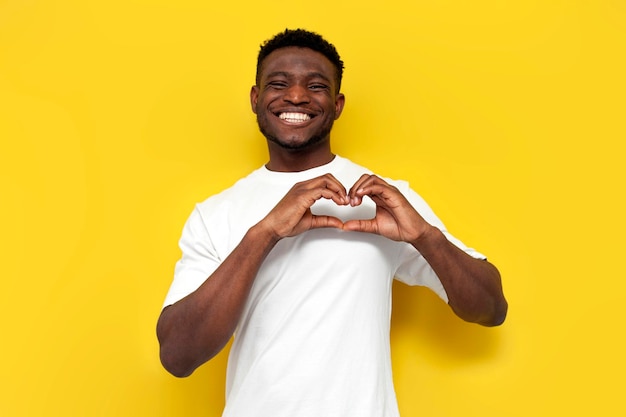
<point>318,222</point>
<point>368,226</point>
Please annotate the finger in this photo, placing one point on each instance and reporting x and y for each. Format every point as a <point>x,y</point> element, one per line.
<point>333,184</point>
<point>373,189</point>
<point>359,183</point>
<point>330,183</point>
<point>338,198</point>
<point>376,188</point>
<point>374,181</point>
<point>367,226</point>
<point>356,199</point>
<point>325,186</point>
<point>318,222</point>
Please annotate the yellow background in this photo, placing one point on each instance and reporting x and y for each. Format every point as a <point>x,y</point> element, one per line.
<point>507,116</point>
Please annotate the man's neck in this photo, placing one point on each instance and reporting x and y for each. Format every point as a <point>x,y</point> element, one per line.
<point>297,161</point>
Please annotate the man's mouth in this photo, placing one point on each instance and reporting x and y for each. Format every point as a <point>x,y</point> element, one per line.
<point>294,117</point>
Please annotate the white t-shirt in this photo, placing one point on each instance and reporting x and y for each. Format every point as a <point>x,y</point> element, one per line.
<point>313,339</point>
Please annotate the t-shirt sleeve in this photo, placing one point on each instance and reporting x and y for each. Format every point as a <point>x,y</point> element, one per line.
<point>198,261</point>
<point>414,269</point>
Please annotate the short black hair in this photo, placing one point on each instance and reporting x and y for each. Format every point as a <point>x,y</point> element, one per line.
<point>303,39</point>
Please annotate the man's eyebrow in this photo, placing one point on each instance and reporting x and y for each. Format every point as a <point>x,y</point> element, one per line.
<point>318,75</point>
<point>278,74</point>
<point>312,74</point>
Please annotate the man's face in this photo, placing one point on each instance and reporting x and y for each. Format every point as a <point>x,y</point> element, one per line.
<point>296,100</point>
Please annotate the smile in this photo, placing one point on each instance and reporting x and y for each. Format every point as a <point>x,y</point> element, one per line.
<point>294,117</point>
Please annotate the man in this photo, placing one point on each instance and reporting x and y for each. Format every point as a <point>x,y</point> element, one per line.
<point>297,259</point>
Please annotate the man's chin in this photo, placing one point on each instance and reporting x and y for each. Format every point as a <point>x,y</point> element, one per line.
<point>295,144</point>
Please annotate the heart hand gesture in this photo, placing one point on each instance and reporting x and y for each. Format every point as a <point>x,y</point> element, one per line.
<point>395,218</point>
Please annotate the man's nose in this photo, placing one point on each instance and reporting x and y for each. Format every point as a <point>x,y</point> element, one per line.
<point>297,94</point>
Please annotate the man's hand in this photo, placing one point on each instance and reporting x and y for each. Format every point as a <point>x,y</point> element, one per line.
<point>473,286</point>
<point>292,215</point>
<point>196,328</point>
<point>395,218</point>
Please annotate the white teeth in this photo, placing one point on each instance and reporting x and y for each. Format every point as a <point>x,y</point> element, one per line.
<point>294,117</point>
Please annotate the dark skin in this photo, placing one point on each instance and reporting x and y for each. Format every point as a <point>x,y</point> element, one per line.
<point>296,101</point>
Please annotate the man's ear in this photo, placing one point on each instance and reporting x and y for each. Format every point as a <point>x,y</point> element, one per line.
<point>254,97</point>
<point>340,101</point>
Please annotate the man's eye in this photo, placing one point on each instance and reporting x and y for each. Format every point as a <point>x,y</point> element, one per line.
<point>318,87</point>
<point>277,84</point>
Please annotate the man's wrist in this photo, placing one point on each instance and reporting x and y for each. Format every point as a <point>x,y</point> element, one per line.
<point>263,234</point>
<point>428,239</point>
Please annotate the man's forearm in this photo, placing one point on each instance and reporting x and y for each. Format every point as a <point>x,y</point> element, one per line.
<point>196,328</point>
<point>473,286</point>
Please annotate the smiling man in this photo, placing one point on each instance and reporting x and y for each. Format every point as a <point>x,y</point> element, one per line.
<point>297,259</point>
<point>299,87</point>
